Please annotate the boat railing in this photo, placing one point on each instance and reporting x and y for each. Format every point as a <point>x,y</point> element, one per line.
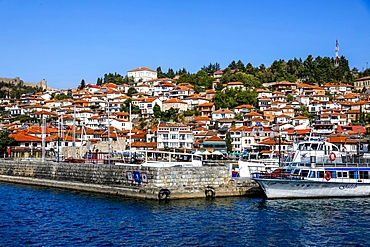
<point>276,175</point>
<point>356,159</point>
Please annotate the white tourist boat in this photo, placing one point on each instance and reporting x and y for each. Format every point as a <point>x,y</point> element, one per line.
<point>257,162</point>
<point>161,159</point>
<point>318,170</point>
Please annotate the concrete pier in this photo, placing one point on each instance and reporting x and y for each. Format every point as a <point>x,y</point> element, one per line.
<point>130,181</point>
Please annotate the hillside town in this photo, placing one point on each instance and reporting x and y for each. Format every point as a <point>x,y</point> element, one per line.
<point>92,120</point>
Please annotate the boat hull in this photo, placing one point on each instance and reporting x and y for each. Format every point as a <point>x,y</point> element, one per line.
<point>281,188</point>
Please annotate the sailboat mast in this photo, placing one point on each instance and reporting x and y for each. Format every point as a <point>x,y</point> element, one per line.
<point>74,133</point>
<point>43,138</point>
<point>130,126</point>
<point>108,133</point>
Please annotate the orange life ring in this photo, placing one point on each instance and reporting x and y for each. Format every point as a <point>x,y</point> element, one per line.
<point>332,156</point>
<point>327,176</point>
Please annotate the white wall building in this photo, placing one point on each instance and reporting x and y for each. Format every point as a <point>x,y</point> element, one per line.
<point>174,135</point>
<point>142,73</point>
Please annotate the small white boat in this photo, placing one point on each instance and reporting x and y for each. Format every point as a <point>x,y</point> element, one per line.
<point>318,170</point>
<point>257,162</point>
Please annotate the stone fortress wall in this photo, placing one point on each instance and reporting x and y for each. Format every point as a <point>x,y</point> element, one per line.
<point>19,83</point>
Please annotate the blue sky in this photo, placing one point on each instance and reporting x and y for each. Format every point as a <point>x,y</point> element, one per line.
<point>67,41</point>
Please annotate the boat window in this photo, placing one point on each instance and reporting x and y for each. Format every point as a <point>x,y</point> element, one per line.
<point>305,146</point>
<point>353,174</point>
<point>195,157</point>
<point>296,171</point>
<point>364,174</point>
<point>314,146</point>
<point>320,174</point>
<point>342,174</point>
<point>312,174</point>
<point>253,156</point>
<point>334,174</point>
<point>335,148</point>
<point>321,147</point>
<point>304,173</point>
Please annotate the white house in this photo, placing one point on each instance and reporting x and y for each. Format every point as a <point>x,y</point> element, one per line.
<point>142,73</point>
<point>174,135</point>
<point>121,124</point>
<point>222,113</point>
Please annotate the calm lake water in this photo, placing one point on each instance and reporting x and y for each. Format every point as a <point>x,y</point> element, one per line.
<point>36,216</point>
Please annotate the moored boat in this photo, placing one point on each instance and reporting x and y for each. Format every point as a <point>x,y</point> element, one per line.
<point>318,169</point>
<point>257,162</point>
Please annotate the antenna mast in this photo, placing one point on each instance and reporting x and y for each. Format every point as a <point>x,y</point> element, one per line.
<point>336,61</point>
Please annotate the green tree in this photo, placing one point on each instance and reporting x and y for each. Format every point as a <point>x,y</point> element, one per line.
<point>366,72</point>
<point>309,69</point>
<point>240,66</point>
<point>160,74</point>
<point>125,107</point>
<point>185,78</point>
<point>23,118</point>
<point>82,85</point>
<point>5,141</point>
<point>157,111</point>
<point>211,67</point>
<point>229,146</point>
<point>170,115</point>
<point>233,65</point>
<point>248,80</point>
<point>249,69</point>
<point>131,91</point>
<point>170,73</point>
<point>362,116</point>
<point>181,71</point>
<point>239,116</point>
<point>230,98</point>
<point>99,81</point>
<point>202,81</point>
<point>289,98</point>
<point>62,96</point>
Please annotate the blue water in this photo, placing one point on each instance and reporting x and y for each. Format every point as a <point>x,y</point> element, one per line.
<point>36,216</point>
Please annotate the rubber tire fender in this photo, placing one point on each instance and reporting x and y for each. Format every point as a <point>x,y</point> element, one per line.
<point>164,194</point>
<point>210,192</point>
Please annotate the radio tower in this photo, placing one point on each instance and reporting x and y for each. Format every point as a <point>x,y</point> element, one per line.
<point>336,61</point>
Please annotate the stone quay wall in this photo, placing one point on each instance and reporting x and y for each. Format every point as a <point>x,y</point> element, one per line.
<point>128,180</point>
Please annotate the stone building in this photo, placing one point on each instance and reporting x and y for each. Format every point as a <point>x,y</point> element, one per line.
<point>362,82</point>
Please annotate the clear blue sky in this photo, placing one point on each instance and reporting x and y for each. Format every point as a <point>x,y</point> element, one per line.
<point>66,41</point>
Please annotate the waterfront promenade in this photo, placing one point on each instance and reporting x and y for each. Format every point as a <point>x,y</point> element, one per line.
<point>130,181</point>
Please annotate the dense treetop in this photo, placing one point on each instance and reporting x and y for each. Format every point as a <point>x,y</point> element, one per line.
<point>314,71</point>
